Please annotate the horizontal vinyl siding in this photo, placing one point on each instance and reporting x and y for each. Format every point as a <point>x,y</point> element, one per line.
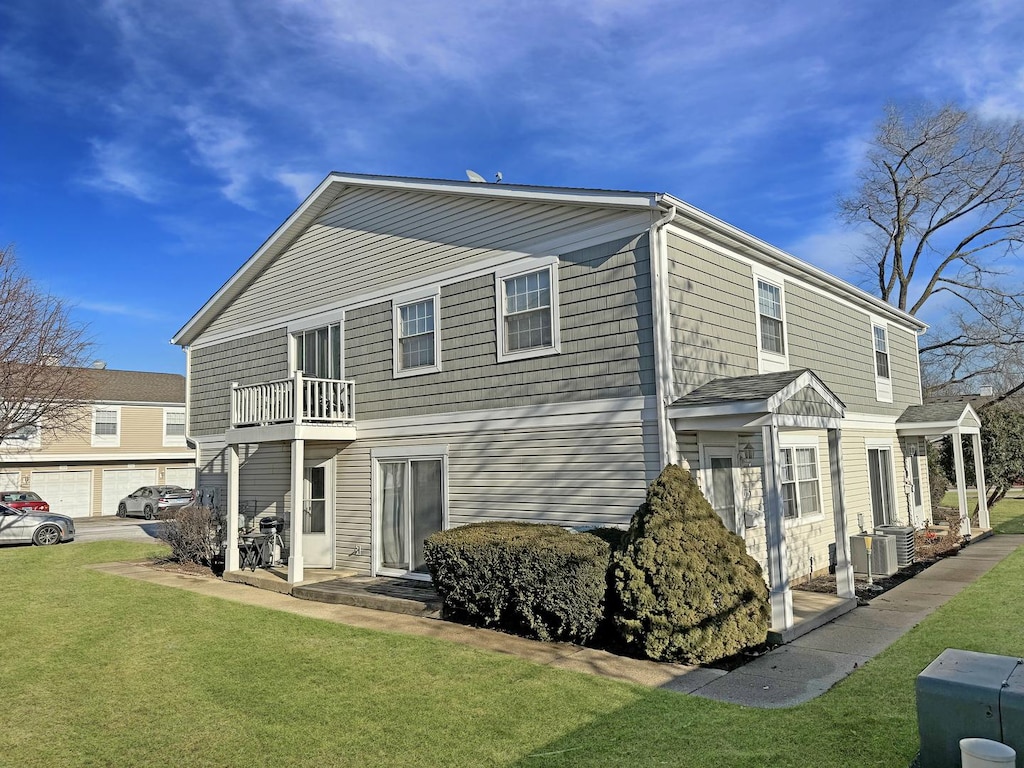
<point>711,314</point>
<point>213,468</point>
<point>606,343</point>
<point>836,342</point>
<point>369,239</point>
<point>141,430</point>
<point>258,358</point>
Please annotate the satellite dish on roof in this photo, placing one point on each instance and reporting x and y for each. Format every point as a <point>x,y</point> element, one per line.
<point>474,176</point>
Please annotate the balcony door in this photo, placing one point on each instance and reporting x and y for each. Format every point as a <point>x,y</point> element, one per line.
<point>410,507</point>
<point>319,352</point>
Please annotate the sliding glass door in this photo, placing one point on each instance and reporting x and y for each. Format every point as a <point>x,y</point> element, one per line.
<point>410,508</point>
<point>880,479</point>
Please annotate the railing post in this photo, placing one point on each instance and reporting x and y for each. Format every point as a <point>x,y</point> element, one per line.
<point>297,413</point>
<point>234,403</point>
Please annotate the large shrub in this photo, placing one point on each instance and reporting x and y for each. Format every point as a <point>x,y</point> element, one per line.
<point>683,586</point>
<point>192,533</point>
<point>535,580</point>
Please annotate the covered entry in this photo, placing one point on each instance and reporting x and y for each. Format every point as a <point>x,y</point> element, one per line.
<point>750,413</point>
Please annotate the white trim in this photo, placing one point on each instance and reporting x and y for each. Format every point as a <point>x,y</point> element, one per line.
<point>330,503</point>
<point>719,448</point>
<point>518,269</point>
<point>409,451</point>
<point>312,322</point>
<point>869,421</point>
<point>432,294</point>
<point>882,444</point>
<point>175,441</point>
<point>793,441</point>
<point>768,361</point>
<point>59,458</point>
<point>883,384</point>
<point>106,441</point>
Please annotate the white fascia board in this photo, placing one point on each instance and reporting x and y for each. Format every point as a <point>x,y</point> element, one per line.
<point>731,409</point>
<point>803,381</point>
<point>788,263</point>
<point>96,458</point>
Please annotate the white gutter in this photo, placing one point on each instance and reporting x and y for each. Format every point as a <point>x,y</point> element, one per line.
<point>663,378</point>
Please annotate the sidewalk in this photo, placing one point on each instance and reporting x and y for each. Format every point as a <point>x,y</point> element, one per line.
<point>788,675</point>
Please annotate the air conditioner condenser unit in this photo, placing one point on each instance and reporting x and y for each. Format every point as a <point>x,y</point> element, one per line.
<point>883,554</point>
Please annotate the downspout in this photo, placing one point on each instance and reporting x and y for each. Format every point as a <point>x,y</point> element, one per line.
<point>662,336</point>
<point>189,440</point>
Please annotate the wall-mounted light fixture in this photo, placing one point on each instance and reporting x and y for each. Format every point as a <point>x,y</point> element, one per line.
<point>746,455</point>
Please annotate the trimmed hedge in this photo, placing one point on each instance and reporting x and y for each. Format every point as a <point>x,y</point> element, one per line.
<point>539,581</point>
<point>683,586</point>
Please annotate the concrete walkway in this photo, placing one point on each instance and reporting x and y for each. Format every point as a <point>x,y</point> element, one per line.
<point>786,676</point>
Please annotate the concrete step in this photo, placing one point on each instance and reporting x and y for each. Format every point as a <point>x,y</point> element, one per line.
<point>392,595</point>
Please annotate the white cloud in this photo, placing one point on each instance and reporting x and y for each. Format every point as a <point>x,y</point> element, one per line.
<point>118,168</point>
<point>122,310</point>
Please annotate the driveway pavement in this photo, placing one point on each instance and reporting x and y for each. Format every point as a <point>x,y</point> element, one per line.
<point>787,676</point>
<point>113,527</point>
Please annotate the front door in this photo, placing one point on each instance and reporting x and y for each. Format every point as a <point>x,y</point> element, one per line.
<point>317,516</point>
<point>722,486</point>
<point>410,508</point>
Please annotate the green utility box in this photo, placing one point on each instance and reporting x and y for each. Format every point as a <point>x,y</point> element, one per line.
<point>963,694</point>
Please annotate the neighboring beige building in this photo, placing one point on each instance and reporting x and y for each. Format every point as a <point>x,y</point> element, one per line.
<point>132,433</point>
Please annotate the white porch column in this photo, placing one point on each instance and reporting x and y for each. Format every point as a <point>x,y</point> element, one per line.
<point>979,482</point>
<point>295,567</point>
<point>778,577</point>
<point>961,483</point>
<point>844,566</point>
<point>231,555</point>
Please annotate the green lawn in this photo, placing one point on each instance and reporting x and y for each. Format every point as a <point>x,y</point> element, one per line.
<point>1007,516</point>
<point>99,670</point>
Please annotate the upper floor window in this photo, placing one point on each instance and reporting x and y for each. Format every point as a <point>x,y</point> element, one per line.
<point>769,303</point>
<point>106,426</point>
<point>881,352</point>
<point>27,436</point>
<point>417,348</point>
<point>318,352</point>
<point>801,494</point>
<point>528,306</point>
<point>174,426</point>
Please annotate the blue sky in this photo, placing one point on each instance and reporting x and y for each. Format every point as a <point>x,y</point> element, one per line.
<point>149,147</point>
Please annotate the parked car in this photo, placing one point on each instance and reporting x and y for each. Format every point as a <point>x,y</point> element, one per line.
<point>41,528</point>
<point>151,500</point>
<point>24,500</point>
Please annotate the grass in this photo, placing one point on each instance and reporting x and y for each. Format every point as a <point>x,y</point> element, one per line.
<point>99,670</point>
<point>1007,516</point>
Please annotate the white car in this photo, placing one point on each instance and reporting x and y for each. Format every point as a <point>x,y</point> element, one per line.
<point>150,500</point>
<point>39,528</point>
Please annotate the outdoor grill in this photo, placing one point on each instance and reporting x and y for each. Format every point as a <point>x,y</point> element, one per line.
<point>270,525</point>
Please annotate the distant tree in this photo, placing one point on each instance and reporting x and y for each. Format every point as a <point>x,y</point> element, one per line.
<point>42,354</point>
<point>942,195</point>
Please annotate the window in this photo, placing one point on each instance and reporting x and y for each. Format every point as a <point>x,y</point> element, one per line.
<point>174,427</point>
<point>417,348</point>
<point>769,302</point>
<point>27,436</point>
<point>801,494</point>
<point>881,352</point>
<point>318,352</point>
<point>528,305</point>
<point>106,426</point>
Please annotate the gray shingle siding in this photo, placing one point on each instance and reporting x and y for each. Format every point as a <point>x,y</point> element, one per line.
<point>258,358</point>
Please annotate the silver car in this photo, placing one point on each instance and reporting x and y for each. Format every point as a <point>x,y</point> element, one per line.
<point>41,528</point>
<point>150,500</point>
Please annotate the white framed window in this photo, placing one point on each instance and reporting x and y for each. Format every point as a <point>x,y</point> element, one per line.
<point>174,427</point>
<point>883,368</point>
<point>770,327</point>
<point>106,426</point>
<point>801,484</point>
<point>417,333</point>
<point>318,352</point>
<point>527,308</point>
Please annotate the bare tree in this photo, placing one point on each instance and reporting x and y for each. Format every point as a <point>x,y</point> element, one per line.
<point>942,194</point>
<point>42,351</point>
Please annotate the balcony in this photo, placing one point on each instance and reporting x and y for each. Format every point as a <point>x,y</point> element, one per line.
<point>291,409</point>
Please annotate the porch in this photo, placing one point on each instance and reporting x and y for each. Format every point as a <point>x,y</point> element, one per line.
<point>296,408</point>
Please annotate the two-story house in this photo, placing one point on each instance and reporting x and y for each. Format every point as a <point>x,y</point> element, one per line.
<point>131,432</point>
<point>405,355</point>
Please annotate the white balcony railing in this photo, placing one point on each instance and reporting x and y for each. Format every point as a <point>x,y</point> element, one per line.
<point>316,401</point>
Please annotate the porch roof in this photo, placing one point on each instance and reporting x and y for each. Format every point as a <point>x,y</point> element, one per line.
<point>796,398</point>
<point>939,419</point>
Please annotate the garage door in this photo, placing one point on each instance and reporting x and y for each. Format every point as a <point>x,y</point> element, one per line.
<point>68,493</point>
<point>118,483</point>
<point>10,481</point>
<point>183,476</point>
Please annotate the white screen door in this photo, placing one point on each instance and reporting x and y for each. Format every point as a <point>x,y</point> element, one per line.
<point>722,486</point>
<point>317,517</point>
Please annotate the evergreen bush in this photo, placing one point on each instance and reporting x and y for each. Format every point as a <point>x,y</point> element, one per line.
<point>683,586</point>
<point>540,581</point>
